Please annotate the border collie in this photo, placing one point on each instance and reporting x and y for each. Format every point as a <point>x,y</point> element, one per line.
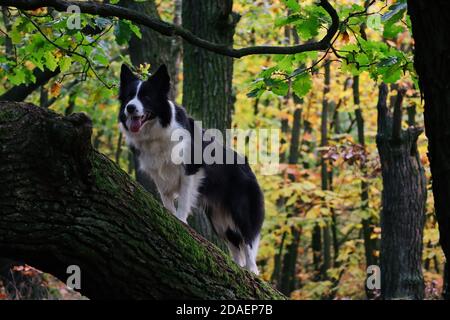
<point>147,119</point>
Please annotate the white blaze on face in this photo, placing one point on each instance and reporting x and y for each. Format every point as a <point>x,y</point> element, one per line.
<point>135,119</point>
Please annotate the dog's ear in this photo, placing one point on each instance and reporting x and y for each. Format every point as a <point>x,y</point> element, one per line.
<point>126,75</point>
<point>161,79</point>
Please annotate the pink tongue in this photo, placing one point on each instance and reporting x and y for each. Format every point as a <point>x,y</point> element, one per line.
<point>135,125</point>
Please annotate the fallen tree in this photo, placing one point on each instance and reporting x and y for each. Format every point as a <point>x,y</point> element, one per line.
<point>62,203</point>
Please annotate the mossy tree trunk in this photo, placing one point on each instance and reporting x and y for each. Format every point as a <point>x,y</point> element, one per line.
<point>62,203</point>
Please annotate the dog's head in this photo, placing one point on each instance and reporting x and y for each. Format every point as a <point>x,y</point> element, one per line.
<point>144,102</point>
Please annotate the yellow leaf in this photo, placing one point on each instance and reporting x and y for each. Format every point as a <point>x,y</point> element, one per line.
<point>55,90</point>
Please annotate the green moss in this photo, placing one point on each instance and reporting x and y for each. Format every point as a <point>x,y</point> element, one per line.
<point>102,175</point>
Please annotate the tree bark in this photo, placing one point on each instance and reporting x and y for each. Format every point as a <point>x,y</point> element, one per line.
<point>430,25</point>
<point>62,203</point>
<point>403,202</point>
<point>207,83</point>
<point>288,276</point>
<point>327,260</point>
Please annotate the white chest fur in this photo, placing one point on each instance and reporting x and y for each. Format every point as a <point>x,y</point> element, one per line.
<point>155,160</point>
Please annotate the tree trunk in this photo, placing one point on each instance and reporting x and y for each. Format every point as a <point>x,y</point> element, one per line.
<point>288,276</point>
<point>430,25</point>
<point>403,202</point>
<point>369,223</point>
<point>207,81</point>
<point>63,203</point>
<point>327,263</point>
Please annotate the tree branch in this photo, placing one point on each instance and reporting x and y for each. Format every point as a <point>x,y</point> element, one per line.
<point>168,29</point>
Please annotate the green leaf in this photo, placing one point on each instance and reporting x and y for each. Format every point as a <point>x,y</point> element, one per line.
<point>15,36</point>
<point>286,63</point>
<point>292,4</point>
<point>362,59</point>
<point>136,30</point>
<point>50,61</point>
<point>122,32</point>
<point>65,63</point>
<point>255,93</point>
<point>101,59</point>
<point>302,84</point>
<point>308,28</point>
<point>282,21</point>
<point>279,87</point>
<point>18,77</point>
<point>392,74</point>
<point>392,30</point>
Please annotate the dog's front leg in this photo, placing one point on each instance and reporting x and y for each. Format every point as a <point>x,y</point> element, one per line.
<point>185,199</point>
<point>168,203</point>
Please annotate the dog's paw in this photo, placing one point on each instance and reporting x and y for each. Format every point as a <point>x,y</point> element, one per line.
<point>181,217</point>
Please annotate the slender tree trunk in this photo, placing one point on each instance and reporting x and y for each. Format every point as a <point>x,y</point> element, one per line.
<point>369,223</point>
<point>288,272</point>
<point>430,26</point>
<point>63,203</point>
<point>327,261</point>
<point>403,202</point>
<point>288,277</point>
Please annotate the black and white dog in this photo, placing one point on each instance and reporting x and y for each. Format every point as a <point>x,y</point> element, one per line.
<point>148,119</point>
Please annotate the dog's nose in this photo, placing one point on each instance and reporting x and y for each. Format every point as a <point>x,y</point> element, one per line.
<point>131,108</point>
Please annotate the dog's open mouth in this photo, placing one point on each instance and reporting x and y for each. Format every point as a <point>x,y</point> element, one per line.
<point>136,122</point>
